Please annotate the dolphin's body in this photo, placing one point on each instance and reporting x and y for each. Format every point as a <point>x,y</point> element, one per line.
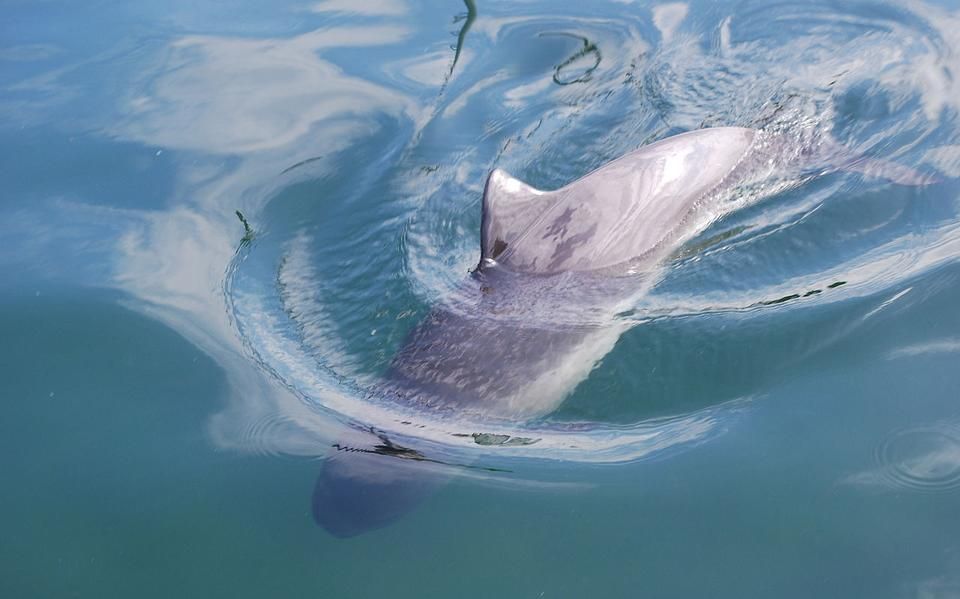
<point>555,267</point>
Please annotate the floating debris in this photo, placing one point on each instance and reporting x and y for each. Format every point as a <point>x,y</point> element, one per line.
<point>488,439</point>
<point>248,233</point>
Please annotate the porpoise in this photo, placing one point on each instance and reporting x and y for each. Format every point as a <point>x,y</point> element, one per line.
<point>555,267</point>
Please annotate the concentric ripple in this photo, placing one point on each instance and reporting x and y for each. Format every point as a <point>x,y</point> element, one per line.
<point>923,459</point>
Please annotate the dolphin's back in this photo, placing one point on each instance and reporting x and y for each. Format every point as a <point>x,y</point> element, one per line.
<point>506,349</point>
<point>616,214</point>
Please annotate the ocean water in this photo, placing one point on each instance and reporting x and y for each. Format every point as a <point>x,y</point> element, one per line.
<point>221,221</point>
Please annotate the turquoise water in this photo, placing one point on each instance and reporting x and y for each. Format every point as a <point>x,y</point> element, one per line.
<point>779,417</point>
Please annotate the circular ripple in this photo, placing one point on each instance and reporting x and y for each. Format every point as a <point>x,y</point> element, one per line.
<point>922,459</point>
<point>267,434</point>
<point>345,265</point>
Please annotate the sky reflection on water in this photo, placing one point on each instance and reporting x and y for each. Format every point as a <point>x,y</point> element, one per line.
<point>355,138</point>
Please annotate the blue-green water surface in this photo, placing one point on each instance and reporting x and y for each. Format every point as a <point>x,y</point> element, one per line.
<point>221,220</point>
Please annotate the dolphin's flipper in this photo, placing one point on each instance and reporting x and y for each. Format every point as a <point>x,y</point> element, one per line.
<point>362,490</point>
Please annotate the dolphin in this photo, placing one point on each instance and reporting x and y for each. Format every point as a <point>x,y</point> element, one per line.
<point>537,313</point>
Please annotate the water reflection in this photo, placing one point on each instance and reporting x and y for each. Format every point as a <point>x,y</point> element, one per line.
<point>366,8</point>
<point>921,459</point>
<point>931,347</point>
<point>238,96</point>
<point>244,121</point>
<point>668,17</point>
<point>264,104</point>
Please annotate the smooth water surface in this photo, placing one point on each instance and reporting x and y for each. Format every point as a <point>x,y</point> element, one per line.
<point>221,221</point>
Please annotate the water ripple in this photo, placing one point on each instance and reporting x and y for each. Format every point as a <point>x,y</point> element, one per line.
<point>346,264</point>
<point>925,459</point>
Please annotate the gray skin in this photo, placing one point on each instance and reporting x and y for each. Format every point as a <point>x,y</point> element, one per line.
<point>555,267</point>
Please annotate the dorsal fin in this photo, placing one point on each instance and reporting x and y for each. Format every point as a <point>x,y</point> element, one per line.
<point>510,207</point>
<point>636,207</point>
